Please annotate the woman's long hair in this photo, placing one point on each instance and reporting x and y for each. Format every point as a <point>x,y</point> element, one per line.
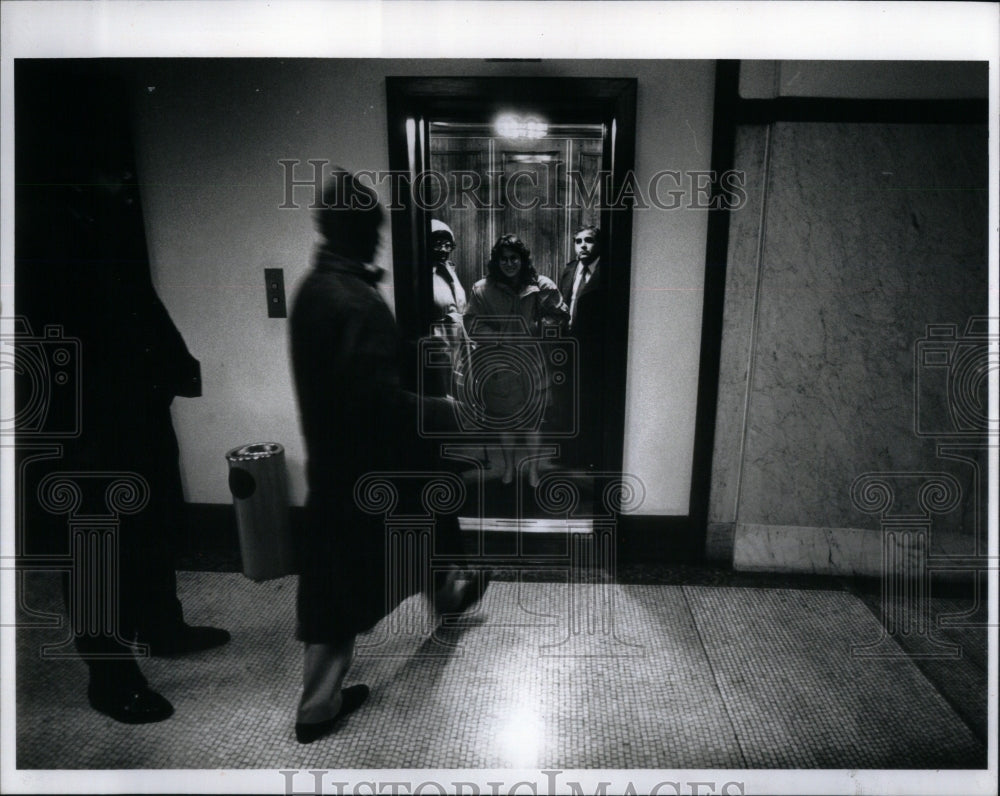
<point>527,274</point>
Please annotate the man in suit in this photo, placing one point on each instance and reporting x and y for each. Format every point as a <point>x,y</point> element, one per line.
<point>580,284</point>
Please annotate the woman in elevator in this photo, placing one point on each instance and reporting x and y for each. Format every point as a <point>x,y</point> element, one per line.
<point>507,315</point>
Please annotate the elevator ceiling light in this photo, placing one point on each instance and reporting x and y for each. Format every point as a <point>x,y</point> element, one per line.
<point>510,125</point>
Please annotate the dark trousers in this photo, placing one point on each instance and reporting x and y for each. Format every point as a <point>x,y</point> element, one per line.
<point>142,597</point>
<point>578,406</point>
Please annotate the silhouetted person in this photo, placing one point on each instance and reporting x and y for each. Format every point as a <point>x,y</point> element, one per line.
<point>85,264</point>
<point>82,265</point>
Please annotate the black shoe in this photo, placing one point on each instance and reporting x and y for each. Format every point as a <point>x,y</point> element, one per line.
<point>460,600</point>
<point>139,705</point>
<point>353,698</point>
<point>185,640</point>
<point>473,591</point>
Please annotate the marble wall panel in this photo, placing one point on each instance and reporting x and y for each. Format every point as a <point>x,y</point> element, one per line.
<point>742,270</point>
<point>873,231</point>
<point>833,551</point>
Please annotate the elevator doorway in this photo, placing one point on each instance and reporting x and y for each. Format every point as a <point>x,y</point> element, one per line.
<point>494,156</point>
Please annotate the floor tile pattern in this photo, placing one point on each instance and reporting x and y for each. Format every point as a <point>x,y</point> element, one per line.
<point>800,697</point>
<point>541,675</point>
<point>951,653</point>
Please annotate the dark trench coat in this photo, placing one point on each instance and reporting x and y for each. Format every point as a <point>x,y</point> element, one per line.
<point>356,419</point>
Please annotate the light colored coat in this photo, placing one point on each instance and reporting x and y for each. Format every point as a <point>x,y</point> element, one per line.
<point>512,381</point>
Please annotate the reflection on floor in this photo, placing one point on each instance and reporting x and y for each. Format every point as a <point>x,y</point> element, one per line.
<point>695,669</point>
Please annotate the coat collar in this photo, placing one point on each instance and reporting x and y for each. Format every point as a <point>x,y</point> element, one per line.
<point>447,271</point>
<point>329,261</point>
<point>527,290</point>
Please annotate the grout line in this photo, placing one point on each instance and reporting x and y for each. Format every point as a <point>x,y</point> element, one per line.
<point>715,676</point>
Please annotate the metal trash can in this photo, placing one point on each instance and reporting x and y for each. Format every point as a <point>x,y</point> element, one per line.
<point>258,481</point>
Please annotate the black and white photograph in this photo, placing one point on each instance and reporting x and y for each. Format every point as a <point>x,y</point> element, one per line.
<point>499,398</point>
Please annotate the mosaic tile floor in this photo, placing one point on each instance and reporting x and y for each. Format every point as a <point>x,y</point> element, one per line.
<point>545,674</point>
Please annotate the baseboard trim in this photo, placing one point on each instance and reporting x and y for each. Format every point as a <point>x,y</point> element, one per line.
<point>849,552</point>
<point>210,536</point>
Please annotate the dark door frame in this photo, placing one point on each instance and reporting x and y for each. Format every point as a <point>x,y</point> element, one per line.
<point>413,102</point>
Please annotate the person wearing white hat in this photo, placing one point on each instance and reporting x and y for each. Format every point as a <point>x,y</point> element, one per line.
<point>449,306</point>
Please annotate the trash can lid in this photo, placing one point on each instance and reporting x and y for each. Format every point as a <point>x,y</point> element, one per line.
<point>255,450</point>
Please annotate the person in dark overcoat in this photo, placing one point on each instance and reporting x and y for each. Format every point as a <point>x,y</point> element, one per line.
<point>83,266</point>
<point>356,419</point>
